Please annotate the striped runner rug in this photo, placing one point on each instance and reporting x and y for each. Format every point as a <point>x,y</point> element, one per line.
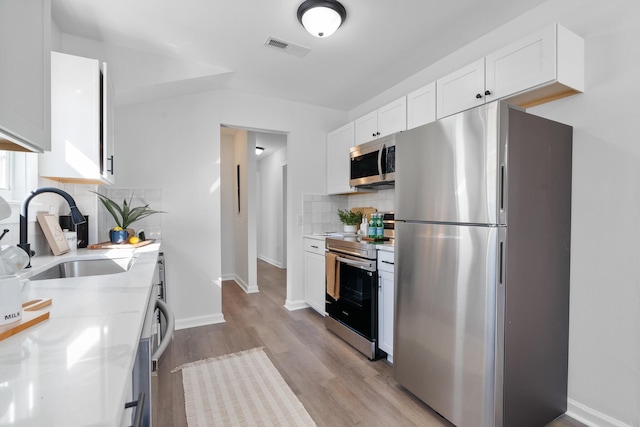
<point>239,389</point>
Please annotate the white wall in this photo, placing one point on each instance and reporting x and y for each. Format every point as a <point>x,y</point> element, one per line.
<point>174,145</point>
<point>604,359</point>
<point>184,133</point>
<point>240,244</point>
<point>227,171</point>
<point>270,212</point>
<point>251,214</point>
<point>227,212</point>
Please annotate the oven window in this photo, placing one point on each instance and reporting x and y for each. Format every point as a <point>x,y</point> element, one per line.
<point>355,286</point>
<point>358,296</point>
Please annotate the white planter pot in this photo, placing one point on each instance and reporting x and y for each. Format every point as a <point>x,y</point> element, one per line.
<point>350,228</point>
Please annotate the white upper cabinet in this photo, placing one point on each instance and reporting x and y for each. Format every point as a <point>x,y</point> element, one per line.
<point>542,67</point>
<point>81,122</point>
<point>25,43</point>
<point>421,106</point>
<point>461,90</point>
<point>521,65</point>
<point>108,134</point>
<point>384,121</point>
<point>366,128</point>
<point>339,142</point>
<point>392,117</point>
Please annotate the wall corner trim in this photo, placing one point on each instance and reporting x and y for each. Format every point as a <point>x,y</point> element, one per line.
<point>295,305</point>
<point>192,322</point>
<point>590,416</point>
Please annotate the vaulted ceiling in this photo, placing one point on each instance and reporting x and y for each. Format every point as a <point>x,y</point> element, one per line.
<point>380,43</point>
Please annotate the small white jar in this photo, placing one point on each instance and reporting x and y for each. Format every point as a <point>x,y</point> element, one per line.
<point>72,239</point>
<point>10,299</point>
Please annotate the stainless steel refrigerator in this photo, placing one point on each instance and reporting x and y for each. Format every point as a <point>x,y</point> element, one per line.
<point>483,226</point>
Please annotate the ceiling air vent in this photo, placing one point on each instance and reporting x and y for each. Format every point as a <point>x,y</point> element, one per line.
<point>294,49</point>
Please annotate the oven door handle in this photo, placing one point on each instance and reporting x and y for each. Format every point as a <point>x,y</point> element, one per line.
<point>168,336</point>
<point>362,264</point>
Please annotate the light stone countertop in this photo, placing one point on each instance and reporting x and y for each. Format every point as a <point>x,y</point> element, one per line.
<point>74,369</point>
<point>388,247</point>
<point>321,237</point>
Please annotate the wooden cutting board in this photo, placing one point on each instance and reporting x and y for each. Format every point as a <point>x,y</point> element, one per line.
<point>32,314</point>
<point>366,211</point>
<point>109,245</point>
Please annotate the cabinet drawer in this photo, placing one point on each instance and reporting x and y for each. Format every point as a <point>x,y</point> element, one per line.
<point>315,246</point>
<point>386,261</point>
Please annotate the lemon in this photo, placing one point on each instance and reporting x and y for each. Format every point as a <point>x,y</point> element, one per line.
<point>133,240</point>
<point>117,229</point>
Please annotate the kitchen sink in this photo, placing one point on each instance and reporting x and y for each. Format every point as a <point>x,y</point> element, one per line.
<point>86,267</point>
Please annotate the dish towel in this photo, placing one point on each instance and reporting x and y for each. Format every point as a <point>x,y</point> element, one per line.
<point>333,275</point>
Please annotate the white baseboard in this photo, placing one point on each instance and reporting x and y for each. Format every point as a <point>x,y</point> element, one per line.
<point>245,287</point>
<point>227,277</point>
<point>590,416</point>
<point>271,261</point>
<point>295,305</point>
<point>193,322</point>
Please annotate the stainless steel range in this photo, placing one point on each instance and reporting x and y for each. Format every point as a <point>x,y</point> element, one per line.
<point>352,291</point>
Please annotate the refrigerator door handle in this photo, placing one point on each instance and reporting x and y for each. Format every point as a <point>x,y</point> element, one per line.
<point>502,188</point>
<point>501,266</point>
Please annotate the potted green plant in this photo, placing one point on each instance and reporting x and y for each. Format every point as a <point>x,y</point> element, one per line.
<point>350,219</point>
<point>124,215</point>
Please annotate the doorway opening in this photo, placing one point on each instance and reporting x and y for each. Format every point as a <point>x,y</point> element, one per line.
<point>253,203</point>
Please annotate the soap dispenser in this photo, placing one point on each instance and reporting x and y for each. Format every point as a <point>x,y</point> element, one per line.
<point>364,227</point>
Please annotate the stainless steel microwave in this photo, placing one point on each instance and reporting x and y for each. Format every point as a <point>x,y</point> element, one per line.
<point>374,163</point>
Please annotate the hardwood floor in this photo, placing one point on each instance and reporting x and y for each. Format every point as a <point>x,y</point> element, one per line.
<point>336,384</point>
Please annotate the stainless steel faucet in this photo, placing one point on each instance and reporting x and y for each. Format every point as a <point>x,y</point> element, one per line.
<point>76,216</point>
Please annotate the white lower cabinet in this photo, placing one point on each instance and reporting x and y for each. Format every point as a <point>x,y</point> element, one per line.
<point>386,301</point>
<point>314,274</point>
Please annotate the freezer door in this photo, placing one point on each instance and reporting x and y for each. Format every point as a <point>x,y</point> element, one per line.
<point>451,170</point>
<point>445,330</point>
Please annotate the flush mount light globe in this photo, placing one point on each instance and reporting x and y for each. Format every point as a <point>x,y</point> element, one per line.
<point>259,150</point>
<point>321,18</point>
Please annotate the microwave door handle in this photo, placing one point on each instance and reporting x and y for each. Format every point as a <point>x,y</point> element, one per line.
<point>380,169</point>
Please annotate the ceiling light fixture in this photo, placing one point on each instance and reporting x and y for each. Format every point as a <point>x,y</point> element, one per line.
<point>321,18</point>
<point>259,150</point>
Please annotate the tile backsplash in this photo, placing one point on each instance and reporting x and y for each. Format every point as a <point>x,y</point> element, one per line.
<point>382,200</point>
<point>100,221</point>
<point>152,225</point>
<point>320,211</point>
<point>49,203</point>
